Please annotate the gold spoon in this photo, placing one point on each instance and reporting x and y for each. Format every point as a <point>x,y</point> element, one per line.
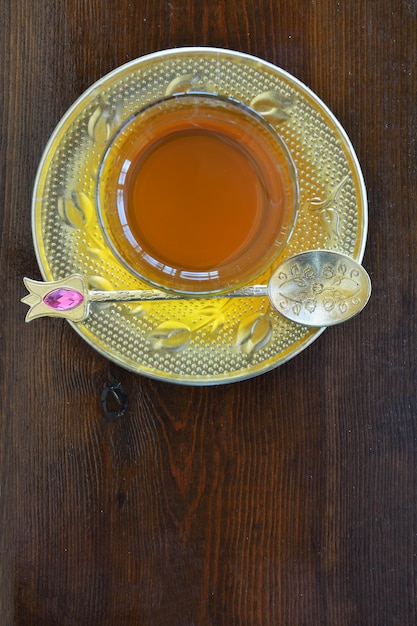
<point>314,288</point>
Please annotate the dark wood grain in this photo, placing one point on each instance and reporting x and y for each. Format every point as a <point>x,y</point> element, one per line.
<point>289,499</point>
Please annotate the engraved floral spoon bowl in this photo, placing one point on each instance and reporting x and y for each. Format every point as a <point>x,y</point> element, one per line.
<point>316,288</point>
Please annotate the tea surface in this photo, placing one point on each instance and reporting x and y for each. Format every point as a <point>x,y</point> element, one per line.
<point>194,199</point>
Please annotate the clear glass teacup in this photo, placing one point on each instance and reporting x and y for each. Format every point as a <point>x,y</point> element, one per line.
<point>197,193</point>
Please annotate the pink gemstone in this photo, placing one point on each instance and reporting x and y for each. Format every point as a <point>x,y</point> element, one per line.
<point>63,299</point>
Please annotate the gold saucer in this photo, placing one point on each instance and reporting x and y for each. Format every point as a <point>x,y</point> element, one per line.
<point>201,341</point>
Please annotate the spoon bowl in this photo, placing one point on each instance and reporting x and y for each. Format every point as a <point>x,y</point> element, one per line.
<point>319,288</point>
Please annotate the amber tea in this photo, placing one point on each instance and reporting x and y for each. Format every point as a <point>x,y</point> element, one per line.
<point>196,194</point>
<point>204,194</point>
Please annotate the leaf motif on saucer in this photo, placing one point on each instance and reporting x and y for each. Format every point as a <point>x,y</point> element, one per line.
<point>76,211</point>
<point>186,84</point>
<point>328,210</point>
<point>253,334</point>
<point>212,316</point>
<point>70,213</point>
<point>96,251</point>
<point>170,335</point>
<point>102,121</point>
<point>99,282</point>
<point>98,128</point>
<point>330,221</point>
<point>272,105</point>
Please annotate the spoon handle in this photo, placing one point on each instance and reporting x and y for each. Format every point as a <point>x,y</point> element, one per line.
<point>156,294</point>
<point>70,297</point>
<point>312,288</point>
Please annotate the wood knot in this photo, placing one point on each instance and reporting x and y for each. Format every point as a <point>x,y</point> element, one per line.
<point>114,401</point>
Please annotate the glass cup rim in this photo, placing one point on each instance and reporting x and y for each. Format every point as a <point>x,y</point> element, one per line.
<point>180,286</point>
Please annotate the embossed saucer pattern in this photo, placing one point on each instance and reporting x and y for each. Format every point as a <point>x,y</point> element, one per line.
<point>193,341</point>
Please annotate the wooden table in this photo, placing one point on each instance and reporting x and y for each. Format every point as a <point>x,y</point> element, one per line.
<point>287,499</point>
